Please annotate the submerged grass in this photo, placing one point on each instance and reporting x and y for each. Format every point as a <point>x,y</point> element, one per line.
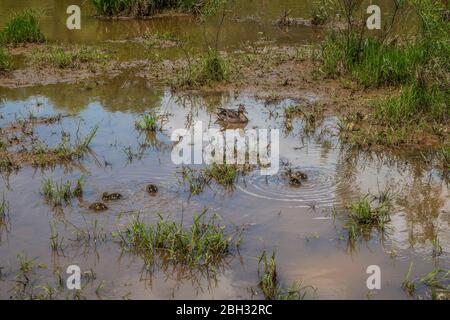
<point>437,283</point>
<point>23,27</point>
<point>269,283</point>
<point>202,245</point>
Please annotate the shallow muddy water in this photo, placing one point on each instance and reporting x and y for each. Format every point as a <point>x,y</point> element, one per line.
<point>297,222</point>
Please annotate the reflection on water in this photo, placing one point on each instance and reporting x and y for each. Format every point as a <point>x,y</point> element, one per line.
<point>275,214</point>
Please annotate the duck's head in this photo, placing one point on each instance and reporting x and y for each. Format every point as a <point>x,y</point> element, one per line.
<point>242,109</point>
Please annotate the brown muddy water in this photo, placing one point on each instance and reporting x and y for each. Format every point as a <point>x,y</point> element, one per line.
<point>296,222</point>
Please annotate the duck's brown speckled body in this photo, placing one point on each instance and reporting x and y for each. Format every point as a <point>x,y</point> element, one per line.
<point>229,116</point>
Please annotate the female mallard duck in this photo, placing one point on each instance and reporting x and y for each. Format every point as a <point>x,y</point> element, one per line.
<point>229,116</point>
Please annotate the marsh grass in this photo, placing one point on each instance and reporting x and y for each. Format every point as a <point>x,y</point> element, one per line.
<point>223,174</point>
<point>321,12</point>
<point>311,115</point>
<point>369,213</point>
<point>203,244</point>
<point>444,157</point>
<point>56,240</point>
<point>5,61</point>
<point>210,67</point>
<point>4,212</point>
<point>269,283</point>
<point>195,179</point>
<point>437,283</point>
<point>417,66</point>
<point>23,27</point>
<point>150,122</point>
<point>408,285</point>
<point>58,193</point>
<point>71,57</point>
<point>141,8</point>
<point>65,151</point>
<point>24,286</point>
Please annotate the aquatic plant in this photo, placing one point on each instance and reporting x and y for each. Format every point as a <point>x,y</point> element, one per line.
<point>437,282</point>
<point>224,174</point>
<point>419,65</point>
<point>369,212</point>
<point>202,245</point>
<point>70,57</point>
<point>269,283</point>
<point>5,61</point>
<point>196,179</point>
<point>58,193</point>
<point>56,240</point>
<point>408,285</point>
<point>23,27</point>
<point>149,122</point>
<point>149,7</point>
<point>45,156</point>
<point>205,69</point>
<point>4,211</point>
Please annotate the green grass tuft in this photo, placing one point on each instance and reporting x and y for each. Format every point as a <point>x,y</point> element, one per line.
<point>150,7</point>
<point>368,213</point>
<point>149,122</point>
<point>209,68</point>
<point>67,58</point>
<point>5,61</point>
<point>58,193</point>
<point>269,283</point>
<point>202,245</point>
<point>22,28</point>
<point>223,174</point>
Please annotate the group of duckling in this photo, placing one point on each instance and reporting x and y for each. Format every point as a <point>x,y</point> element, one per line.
<point>114,196</point>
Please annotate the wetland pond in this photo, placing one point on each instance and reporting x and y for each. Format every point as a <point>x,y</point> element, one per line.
<point>306,225</point>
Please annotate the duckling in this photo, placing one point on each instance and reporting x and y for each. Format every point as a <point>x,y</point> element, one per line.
<point>295,178</point>
<point>152,189</point>
<point>111,196</point>
<point>98,206</point>
<point>232,116</point>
